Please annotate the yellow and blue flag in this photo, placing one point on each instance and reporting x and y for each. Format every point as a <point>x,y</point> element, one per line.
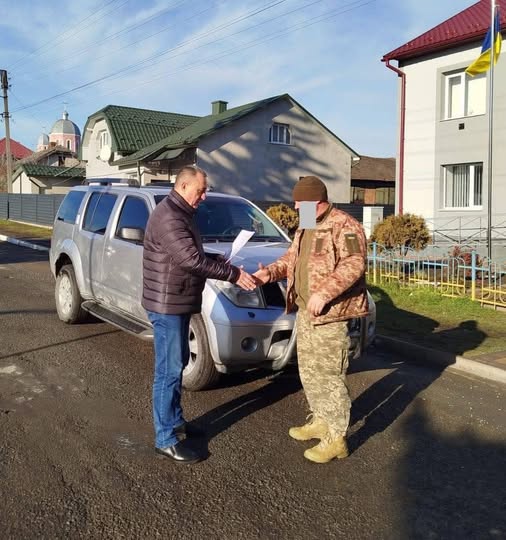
<point>482,63</point>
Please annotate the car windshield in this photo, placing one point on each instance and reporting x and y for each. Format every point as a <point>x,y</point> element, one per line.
<point>220,219</point>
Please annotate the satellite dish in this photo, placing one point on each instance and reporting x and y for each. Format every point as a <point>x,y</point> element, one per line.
<point>105,153</point>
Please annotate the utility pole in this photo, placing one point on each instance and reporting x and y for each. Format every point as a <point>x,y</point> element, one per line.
<point>5,85</point>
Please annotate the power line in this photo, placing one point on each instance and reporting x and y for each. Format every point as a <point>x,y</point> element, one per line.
<point>72,31</point>
<point>207,44</point>
<point>113,36</point>
<point>153,57</point>
<point>298,26</point>
<point>51,75</point>
<point>22,104</point>
<point>315,20</point>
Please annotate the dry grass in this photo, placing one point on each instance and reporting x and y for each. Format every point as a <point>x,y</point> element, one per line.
<point>20,230</point>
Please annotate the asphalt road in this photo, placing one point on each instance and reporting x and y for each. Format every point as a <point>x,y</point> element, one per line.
<point>76,455</point>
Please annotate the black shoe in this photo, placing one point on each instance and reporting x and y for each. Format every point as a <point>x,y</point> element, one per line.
<point>179,453</point>
<point>189,430</point>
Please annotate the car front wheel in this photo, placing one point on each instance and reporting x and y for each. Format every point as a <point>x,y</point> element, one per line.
<point>200,373</point>
<point>68,298</point>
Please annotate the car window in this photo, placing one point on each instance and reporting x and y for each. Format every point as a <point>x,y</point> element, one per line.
<point>134,214</point>
<point>70,206</point>
<point>223,219</point>
<point>98,212</point>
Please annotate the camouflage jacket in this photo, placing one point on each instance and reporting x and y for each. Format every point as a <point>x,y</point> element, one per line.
<point>336,272</point>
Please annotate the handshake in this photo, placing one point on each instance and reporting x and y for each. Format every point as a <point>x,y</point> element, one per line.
<point>249,282</point>
<point>246,281</point>
<point>315,304</point>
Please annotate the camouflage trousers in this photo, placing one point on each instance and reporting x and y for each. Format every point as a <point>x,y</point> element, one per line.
<point>322,352</point>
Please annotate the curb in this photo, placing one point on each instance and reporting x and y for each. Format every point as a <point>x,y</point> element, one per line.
<point>423,355</point>
<point>22,243</point>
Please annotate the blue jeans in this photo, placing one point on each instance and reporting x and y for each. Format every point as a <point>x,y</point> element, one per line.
<point>172,353</point>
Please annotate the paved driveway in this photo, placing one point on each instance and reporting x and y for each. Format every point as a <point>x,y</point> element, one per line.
<point>76,458</point>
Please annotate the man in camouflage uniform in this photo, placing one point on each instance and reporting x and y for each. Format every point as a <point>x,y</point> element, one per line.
<point>325,269</point>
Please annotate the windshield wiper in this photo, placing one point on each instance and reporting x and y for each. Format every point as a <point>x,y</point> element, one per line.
<point>256,238</point>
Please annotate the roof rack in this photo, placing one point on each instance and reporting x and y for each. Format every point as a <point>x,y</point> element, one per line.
<point>159,184</point>
<point>131,182</point>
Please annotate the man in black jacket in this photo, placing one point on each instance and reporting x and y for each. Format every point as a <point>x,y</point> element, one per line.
<point>175,269</point>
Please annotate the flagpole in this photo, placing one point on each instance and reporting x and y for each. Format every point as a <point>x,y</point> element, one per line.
<point>490,127</point>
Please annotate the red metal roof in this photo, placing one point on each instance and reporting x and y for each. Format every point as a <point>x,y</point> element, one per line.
<point>18,151</point>
<point>468,25</point>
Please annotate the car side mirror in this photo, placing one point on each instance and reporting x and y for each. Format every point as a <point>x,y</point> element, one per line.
<point>132,234</point>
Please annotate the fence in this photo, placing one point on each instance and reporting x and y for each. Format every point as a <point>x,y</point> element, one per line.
<point>39,209</point>
<point>462,275</point>
<point>355,210</point>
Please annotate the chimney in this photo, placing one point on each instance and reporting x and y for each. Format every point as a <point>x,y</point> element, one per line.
<point>219,106</point>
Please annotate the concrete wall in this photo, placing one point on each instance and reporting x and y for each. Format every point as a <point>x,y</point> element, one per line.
<point>240,160</point>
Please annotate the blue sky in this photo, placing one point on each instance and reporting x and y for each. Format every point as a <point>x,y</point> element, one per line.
<point>179,55</point>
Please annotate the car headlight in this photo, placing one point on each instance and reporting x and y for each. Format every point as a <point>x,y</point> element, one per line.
<point>238,296</point>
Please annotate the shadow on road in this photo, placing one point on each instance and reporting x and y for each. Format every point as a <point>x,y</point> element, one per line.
<point>11,254</point>
<point>220,418</point>
<point>52,345</point>
<point>377,407</point>
<point>454,486</point>
<point>25,311</point>
<point>384,401</point>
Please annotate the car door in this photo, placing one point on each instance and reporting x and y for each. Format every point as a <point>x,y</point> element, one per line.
<point>92,239</point>
<point>122,263</point>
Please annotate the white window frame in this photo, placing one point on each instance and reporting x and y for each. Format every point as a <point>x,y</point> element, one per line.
<point>103,139</point>
<point>472,168</point>
<point>280,134</point>
<point>464,82</point>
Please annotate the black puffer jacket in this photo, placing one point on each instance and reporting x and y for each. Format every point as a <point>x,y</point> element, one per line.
<point>175,267</point>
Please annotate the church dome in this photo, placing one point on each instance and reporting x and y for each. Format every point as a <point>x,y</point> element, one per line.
<point>43,140</point>
<point>65,126</point>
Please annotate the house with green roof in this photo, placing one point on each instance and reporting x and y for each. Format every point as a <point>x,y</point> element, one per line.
<point>258,150</point>
<point>50,171</point>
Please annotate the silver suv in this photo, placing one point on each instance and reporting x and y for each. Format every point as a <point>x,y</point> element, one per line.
<point>96,259</point>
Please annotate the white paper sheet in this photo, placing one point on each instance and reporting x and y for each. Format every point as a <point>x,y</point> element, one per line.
<point>240,241</point>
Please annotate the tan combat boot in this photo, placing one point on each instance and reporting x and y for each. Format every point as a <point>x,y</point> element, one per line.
<point>330,447</point>
<point>314,428</point>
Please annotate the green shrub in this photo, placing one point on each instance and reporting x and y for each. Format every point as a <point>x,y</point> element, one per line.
<point>287,218</point>
<point>406,231</point>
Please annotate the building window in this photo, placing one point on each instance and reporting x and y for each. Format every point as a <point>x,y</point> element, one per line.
<point>385,195</point>
<point>68,144</point>
<point>357,195</point>
<point>463,186</point>
<point>464,95</point>
<point>103,139</point>
<point>280,134</point>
